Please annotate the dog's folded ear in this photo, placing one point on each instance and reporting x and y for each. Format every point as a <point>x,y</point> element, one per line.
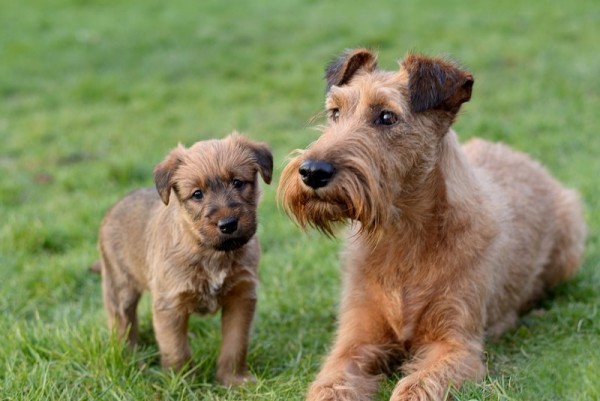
<point>340,71</point>
<point>264,158</point>
<point>435,83</point>
<point>261,152</point>
<point>163,172</point>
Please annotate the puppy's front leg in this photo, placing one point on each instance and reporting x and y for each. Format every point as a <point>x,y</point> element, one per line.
<point>170,329</point>
<point>361,350</point>
<point>237,313</point>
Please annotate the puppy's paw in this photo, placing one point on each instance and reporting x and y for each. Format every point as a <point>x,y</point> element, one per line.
<point>235,380</point>
<point>176,364</point>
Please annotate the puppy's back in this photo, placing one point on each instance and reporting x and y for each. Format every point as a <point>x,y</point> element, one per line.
<point>123,233</point>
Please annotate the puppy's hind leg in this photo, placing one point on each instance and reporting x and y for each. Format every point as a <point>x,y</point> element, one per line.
<point>120,301</point>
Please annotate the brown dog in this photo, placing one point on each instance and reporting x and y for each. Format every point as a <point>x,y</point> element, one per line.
<point>192,244</point>
<point>448,243</point>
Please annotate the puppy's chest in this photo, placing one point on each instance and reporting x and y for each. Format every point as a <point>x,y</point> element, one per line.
<point>206,289</point>
<point>196,289</point>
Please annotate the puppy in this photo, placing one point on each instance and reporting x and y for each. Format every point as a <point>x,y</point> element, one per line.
<point>192,243</point>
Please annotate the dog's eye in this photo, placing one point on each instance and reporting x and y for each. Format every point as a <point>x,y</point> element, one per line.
<point>386,117</point>
<point>334,114</point>
<point>197,195</point>
<point>237,183</point>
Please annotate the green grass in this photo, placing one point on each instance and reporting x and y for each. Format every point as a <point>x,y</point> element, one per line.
<point>94,93</point>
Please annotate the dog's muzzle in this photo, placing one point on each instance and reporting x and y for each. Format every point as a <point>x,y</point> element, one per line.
<point>316,173</point>
<point>228,225</point>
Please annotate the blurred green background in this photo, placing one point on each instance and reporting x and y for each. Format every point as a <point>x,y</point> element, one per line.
<point>94,93</point>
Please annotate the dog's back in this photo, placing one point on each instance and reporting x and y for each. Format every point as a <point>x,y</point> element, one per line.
<point>542,227</point>
<point>123,232</point>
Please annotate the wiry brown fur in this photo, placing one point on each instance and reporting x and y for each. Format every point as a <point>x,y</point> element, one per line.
<point>165,241</point>
<point>448,243</point>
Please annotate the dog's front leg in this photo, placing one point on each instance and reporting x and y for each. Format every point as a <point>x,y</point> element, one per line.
<point>237,313</point>
<point>354,366</point>
<point>170,329</point>
<point>438,365</point>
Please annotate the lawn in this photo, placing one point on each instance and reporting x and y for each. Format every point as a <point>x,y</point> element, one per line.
<point>94,93</point>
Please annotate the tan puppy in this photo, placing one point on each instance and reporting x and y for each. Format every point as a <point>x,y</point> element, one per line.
<point>191,242</point>
<point>448,243</point>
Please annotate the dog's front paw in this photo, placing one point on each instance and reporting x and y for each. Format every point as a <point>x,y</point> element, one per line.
<point>177,364</point>
<point>323,393</point>
<point>235,380</point>
<point>333,392</point>
<point>411,394</point>
<point>414,390</point>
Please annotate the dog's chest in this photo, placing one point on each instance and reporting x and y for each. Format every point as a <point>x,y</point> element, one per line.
<point>208,286</point>
<point>215,283</point>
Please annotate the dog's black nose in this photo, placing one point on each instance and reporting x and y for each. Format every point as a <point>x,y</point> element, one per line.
<point>228,225</point>
<point>316,173</point>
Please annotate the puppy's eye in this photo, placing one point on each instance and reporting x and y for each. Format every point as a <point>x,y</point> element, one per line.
<point>237,184</point>
<point>386,117</point>
<point>197,195</point>
<point>334,114</point>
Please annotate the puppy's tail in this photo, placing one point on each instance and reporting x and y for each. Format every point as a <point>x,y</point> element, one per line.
<point>96,267</point>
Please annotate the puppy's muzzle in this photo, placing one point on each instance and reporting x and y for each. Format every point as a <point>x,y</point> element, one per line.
<point>316,173</point>
<point>228,225</point>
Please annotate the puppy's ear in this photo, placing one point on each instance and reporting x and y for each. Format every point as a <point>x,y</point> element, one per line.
<point>261,152</point>
<point>163,173</point>
<point>342,69</point>
<point>435,83</point>
<point>264,158</point>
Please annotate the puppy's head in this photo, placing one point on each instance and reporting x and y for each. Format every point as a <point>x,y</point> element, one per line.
<point>216,186</point>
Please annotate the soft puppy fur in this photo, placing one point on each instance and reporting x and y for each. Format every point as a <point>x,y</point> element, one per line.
<point>192,243</point>
<point>448,243</point>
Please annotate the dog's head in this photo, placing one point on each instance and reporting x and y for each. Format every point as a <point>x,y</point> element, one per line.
<point>381,141</point>
<point>216,186</point>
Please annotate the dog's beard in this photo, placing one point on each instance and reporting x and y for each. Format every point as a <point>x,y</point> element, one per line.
<point>328,207</point>
<point>356,194</point>
<point>322,214</point>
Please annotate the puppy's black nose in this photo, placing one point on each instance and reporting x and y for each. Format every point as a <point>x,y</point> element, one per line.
<point>316,173</point>
<point>228,225</point>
